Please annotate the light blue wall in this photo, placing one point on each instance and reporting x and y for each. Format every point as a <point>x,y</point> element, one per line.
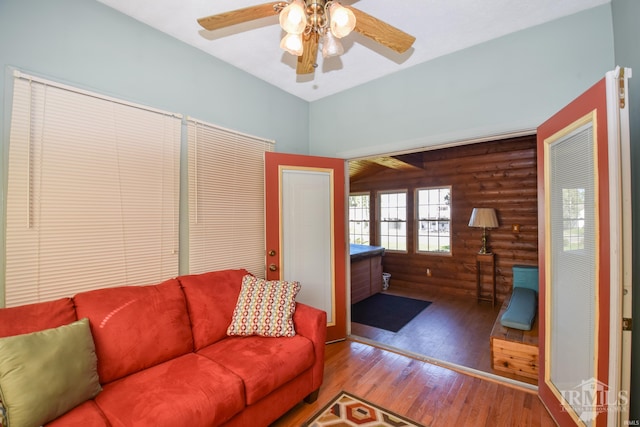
<point>509,84</point>
<point>627,35</point>
<point>88,45</point>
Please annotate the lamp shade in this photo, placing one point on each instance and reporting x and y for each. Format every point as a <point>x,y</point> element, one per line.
<point>484,218</point>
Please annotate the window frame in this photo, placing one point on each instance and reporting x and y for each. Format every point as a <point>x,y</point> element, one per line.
<point>368,220</point>
<point>418,221</point>
<point>380,221</point>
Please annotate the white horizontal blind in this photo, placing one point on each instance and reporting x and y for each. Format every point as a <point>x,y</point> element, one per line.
<point>573,291</point>
<point>226,199</point>
<point>92,193</point>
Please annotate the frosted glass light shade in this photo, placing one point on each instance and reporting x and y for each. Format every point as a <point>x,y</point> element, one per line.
<point>343,21</point>
<point>331,46</point>
<point>293,18</point>
<point>292,43</point>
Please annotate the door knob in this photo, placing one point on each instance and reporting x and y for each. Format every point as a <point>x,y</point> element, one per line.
<point>273,267</point>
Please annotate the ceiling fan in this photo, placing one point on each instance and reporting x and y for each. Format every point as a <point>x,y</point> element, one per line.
<point>307,22</point>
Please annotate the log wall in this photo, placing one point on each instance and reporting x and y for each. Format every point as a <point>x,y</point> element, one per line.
<point>499,174</point>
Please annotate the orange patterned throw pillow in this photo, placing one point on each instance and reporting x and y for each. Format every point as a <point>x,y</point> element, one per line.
<point>264,308</point>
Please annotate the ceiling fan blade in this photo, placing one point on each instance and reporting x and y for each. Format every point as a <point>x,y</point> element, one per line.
<point>226,19</point>
<point>307,62</point>
<point>381,32</point>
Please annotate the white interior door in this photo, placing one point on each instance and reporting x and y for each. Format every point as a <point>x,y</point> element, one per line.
<point>307,235</point>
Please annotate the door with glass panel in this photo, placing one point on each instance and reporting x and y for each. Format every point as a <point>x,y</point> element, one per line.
<point>584,250</point>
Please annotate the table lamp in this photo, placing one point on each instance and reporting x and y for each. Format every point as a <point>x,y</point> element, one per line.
<point>483,218</point>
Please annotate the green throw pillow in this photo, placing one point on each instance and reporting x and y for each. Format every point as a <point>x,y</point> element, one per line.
<point>47,373</point>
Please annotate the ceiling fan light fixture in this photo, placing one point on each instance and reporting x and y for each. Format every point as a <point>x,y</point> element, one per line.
<point>343,21</point>
<point>309,23</point>
<point>292,43</point>
<point>331,46</point>
<point>293,18</point>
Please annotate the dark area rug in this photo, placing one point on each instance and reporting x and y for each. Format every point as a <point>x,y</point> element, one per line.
<point>389,312</point>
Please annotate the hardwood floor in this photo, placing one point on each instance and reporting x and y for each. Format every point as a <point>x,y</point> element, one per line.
<point>427,393</point>
<point>454,330</point>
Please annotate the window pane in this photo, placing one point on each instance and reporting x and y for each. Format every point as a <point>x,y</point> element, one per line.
<point>393,221</point>
<point>573,208</point>
<point>434,214</point>
<point>359,219</point>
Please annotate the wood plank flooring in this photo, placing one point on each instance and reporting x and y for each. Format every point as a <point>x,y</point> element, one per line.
<point>452,329</point>
<point>427,393</point>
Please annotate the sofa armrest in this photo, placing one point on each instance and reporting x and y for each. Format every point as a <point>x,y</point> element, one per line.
<point>312,323</point>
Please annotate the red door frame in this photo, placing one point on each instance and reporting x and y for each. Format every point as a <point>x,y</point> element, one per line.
<point>273,164</point>
<point>592,99</point>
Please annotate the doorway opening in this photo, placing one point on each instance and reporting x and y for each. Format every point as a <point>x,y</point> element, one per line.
<point>499,173</point>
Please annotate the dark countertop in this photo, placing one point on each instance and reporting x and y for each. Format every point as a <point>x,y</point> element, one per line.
<point>363,251</point>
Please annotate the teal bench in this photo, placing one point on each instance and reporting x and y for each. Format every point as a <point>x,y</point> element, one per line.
<point>521,312</point>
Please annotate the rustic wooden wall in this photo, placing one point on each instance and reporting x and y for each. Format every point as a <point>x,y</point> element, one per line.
<point>499,174</point>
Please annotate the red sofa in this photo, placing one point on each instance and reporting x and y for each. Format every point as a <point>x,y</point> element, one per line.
<point>164,358</point>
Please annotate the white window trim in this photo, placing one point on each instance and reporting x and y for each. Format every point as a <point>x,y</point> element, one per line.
<point>361,193</point>
<point>417,223</point>
<point>379,219</point>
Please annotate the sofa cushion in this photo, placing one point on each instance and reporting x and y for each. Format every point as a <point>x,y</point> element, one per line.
<point>135,327</point>
<point>86,415</point>
<point>211,298</point>
<point>264,364</point>
<point>36,317</point>
<point>525,276</point>
<point>189,390</point>
<point>521,310</point>
<point>265,308</point>
<point>47,373</point>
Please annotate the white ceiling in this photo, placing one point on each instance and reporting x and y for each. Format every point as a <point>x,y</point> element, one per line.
<point>440,27</point>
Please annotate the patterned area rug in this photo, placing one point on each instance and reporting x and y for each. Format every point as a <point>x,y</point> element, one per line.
<point>346,410</point>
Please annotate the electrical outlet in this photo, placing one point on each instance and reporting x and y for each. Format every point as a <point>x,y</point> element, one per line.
<point>428,272</point>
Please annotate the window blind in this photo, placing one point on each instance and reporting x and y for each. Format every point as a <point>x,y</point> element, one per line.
<point>226,199</point>
<point>574,274</point>
<point>92,196</point>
